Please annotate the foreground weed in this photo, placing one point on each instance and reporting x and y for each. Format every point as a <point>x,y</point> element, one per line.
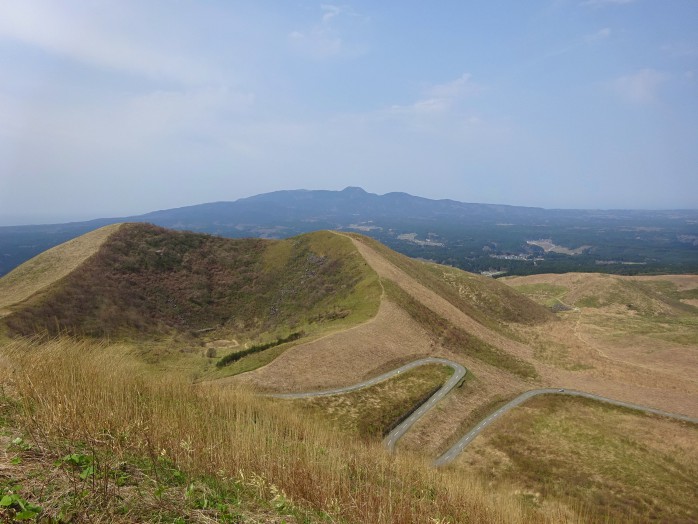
<point>82,463</point>
<point>15,508</point>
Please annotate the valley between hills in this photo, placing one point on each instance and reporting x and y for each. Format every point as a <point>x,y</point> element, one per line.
<point>141,364</point>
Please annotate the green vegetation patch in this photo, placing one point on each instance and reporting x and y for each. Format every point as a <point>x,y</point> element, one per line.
<point>476,415</point>
<point>543,293</point>
<point>590,301</point>
<point>668,292</point>
<point>555,354</point>
<point>248,363</point>
<point>688,294</point>
<point>455,338</point>
<point>647,298</point>
<point>372,412</point>
<point>66,481</point>
<point>617,462</point>
<point>258,348</point>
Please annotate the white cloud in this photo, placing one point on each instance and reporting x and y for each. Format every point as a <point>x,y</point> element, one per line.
<point>680,50</point>
<point>331,11</point>
<point>601,34</point>
<point>640,87</point>
<point>462,86</point>
<point>90,38</point>
<point>441,98</point>
<point>331,37</point>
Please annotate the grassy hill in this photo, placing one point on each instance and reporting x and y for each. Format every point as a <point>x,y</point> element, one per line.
<point>144,280</point>
<point>92,436</point>
<point>648,313</point>
<point>657,295</point>
<point>50,266</point>
<point>105,433</point>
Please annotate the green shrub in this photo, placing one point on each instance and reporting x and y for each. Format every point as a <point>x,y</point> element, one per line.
<point>237,355</point>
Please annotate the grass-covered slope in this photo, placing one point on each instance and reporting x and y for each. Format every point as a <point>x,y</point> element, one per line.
<point>631,466</point>
<point>121,445</point>
<point>648,321</point>
<point>650,296</point>
<point>486,300</point>
<point>457,339</point>
<point>50,266</point>
<point>146,280</point>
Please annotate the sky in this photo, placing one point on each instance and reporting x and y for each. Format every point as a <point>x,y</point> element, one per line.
<point>120,107</point>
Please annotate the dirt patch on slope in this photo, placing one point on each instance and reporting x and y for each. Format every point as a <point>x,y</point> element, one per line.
<point>438,304</point>
<point>346,357</point>
<point>644,354</point>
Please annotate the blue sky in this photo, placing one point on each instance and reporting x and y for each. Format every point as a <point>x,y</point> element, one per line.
<point>116,107</point>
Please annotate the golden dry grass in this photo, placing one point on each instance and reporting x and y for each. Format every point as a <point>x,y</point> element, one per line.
<point>566,352</point>
<point>644,355</point>
<point>635,467</point>
<point>72,391</point>
<point>630,338</point>
<point>50,266</point>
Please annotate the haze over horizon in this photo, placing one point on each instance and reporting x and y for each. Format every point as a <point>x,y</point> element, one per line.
<point>121,108</point>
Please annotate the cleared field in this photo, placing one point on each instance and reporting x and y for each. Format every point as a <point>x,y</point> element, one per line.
<point>644,324</point>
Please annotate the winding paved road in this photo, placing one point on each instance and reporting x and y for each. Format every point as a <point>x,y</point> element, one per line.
<point>458,374</point>
<point>459,446</point>
<point>391,438</point>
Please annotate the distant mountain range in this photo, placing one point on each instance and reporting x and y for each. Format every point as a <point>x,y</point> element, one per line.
<point>475,237</point>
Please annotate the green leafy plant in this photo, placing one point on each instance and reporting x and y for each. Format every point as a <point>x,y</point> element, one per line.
<point>83,463</point>
<point>20,444</point>
<point>17,508</point>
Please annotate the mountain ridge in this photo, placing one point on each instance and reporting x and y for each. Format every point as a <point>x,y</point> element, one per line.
<point>471,236</point>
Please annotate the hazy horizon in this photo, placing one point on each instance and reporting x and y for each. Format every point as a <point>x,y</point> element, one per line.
<point>20,220</point>
<point>121,108</point>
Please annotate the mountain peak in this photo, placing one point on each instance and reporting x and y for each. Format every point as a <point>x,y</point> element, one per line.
<point>354,190</point>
